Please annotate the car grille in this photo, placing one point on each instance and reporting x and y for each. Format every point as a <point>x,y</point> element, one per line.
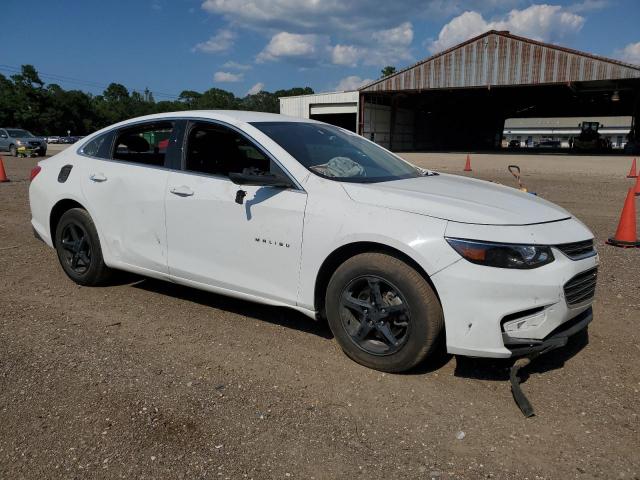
<point>577,250</point>
<point>581,288</point>
<point>34,144</point>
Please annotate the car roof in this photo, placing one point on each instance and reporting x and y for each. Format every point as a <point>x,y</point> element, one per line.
<point>223,115</point>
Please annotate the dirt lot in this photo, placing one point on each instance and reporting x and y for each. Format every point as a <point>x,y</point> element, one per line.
<point>149,380</point>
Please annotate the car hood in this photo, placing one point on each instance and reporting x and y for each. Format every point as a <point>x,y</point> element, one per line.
<point>458,199</point>
<point>30,139</point>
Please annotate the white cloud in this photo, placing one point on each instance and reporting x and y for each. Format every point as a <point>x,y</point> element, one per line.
<point>540,22</point>
<point>400,35</point>
<point>390,46</point>
<point>227,77</point>
<point>345,55</point>
<point>352,82</point>
<point>257,88</point>
<point>629,54</point>
<point>291,46</point>
<point>220,42</point>
<point>236,66</point>
<point>340,16</point>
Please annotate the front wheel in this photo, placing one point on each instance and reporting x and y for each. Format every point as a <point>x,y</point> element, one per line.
<point>78,248</point>
<point>12,151</point>
<point>383,313</point>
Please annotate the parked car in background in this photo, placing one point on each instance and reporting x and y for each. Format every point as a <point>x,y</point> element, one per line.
<point>306,215</point>
<point>11,139</point>
<point>514,144</point>
<point>68,140</point>
<point>53,139</point>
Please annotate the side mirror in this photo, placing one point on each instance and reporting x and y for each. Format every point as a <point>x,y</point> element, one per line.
<point>260,179</point>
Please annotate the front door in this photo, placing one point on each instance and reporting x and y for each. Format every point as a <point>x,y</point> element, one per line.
<point>251,247</point>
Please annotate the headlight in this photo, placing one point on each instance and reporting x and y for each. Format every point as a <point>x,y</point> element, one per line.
<point>502,255</point>
<point>19,142</point>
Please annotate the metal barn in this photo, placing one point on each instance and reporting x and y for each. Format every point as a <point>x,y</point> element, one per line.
<point>460,98</point>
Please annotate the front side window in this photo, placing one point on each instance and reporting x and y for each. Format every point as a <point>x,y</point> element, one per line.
<point>336,154</point>
<point>218,150</point>
<point>146,144</point>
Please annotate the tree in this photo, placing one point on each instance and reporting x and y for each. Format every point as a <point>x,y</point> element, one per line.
<point>386,71</point>
<point>216,98</point>
<point>189,97</point>
<point>27,102</point>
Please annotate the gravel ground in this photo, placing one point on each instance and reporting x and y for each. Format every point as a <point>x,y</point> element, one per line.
<point>144,379</point>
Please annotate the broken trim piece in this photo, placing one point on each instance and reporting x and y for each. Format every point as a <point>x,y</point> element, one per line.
<point>518,395</point>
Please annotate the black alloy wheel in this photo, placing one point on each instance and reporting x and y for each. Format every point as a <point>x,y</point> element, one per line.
<point>383,313</point>
<point>375,315</point>
<point>76,245</point>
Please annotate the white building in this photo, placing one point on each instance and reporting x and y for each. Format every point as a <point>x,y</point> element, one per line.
<point>337,108</point>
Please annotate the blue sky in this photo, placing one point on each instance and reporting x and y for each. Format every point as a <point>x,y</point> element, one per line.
<point>248,45</point>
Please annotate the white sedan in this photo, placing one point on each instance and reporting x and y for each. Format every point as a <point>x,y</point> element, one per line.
<point>302,214</point>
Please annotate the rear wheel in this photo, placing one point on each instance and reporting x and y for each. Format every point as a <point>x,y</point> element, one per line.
<point>78,248</point>
<point>383,313</point>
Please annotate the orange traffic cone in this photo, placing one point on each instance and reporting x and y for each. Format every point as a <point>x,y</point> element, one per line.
<point>467,166</point>
<point>3,175</point>
<point>632,172</point>
<point>636,190</point>
<point>626,233</point>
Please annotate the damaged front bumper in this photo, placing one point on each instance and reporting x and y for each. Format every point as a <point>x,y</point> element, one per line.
<point>556,339</point>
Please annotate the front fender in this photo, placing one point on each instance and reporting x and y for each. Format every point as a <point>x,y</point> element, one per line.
<point>333,220</point>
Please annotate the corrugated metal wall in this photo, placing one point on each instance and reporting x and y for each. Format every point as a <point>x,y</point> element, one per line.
<point>377,127</point>
<point>501,59</point>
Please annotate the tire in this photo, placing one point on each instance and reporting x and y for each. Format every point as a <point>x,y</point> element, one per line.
<point>12,151</point>
<point>405,296</point>
<point>78,247</point>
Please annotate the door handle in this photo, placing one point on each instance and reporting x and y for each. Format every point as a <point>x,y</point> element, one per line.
<point>182,191</point>
<point>97,177</point>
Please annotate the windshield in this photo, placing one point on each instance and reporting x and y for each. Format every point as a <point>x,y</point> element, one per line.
<point>15,133</point>
<point>334,153</point>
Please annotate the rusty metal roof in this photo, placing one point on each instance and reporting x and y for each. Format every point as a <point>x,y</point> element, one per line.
<point>498,58</point>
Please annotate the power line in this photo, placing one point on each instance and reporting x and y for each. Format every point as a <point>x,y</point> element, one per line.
<point>85,83</point>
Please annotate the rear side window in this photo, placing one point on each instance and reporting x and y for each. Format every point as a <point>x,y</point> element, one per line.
<point>98,147</point>
<point>146,144</point>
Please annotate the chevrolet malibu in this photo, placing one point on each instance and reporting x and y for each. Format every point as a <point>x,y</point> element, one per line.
<point>301,214</point>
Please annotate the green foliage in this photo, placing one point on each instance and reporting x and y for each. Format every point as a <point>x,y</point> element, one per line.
<point>27,102</point>
<point>386,71</point>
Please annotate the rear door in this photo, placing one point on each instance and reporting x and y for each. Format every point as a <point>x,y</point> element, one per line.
<point>126,191</point>
<point>251,247</point>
